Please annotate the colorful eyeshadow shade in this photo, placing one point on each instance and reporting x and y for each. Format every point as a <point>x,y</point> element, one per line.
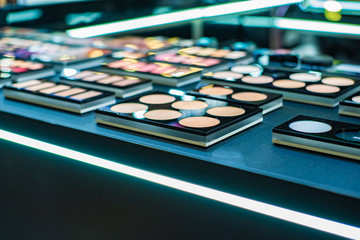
<point>356,99</point>
<point>257,80</point>
<point>199,122</point>
<point>26,84</point>
<point>157,99</point>
<point>246,69</point>
<point>189,105</point>
<point>249,96</point>
<point>338,81</point>
<point>285,83</point>
<point>309,126</point>
<point>162,114</point>
<point>216,91</point>
<point>85,95</point>
<point>322,88</point>
<point>129,107</point>
<point>227,75</point>
<point>70,92</point>
<point>227,111</point>
<point>57,88</point>
<point>40,86</point>
<point>304,77</point>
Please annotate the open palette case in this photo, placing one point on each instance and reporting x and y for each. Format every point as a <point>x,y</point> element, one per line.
<point>195,120</point>
<point>350,106</point>
<point>295,85</point>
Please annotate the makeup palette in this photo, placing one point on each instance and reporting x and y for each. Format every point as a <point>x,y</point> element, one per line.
<point>159,73</point>
<point>266,101</point>
<point>21,70</point>
<point>190,119</point>
<point>58,95</point>
<point>206,63</point>
<point>350,106</point>
<point>320,135</point>
<point>306,87</point>
<point>123,86</point>
<point>224,54</point>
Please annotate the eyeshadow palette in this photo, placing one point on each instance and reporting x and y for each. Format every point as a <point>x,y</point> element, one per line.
<point>123,86</point>
<point>306,87</point>
<point>320,135</point>
<point>57,95</point>
<point>159,73</point>
<point>195,120</point>
<point>266,101</point>
<point>21,70</point>
<point>350,106</point>
<point>225,54</point>
<point>206,63</point>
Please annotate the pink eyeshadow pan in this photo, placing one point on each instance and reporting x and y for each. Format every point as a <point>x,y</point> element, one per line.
<point>26,84</point>
<point>86,95</point>
<point>70,92</point>
<point>356,99</point>
<point>126,82</point>
<point>41,86</point>
<point>110,79</point>
<point>57,88</point>
<point>83,74</point>
<point>95,77</point>
<point>36,66</point>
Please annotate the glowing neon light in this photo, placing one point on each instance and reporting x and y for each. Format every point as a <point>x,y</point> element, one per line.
<point>310,221</point>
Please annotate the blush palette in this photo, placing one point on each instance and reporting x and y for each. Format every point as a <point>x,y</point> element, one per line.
<point>57,95</point>
<point>320,135</point>
<point>123,86</point>
<point>266,101</point>
<point>195,120</point>
<point>306,87</point>
<point>350,106</point>
<point>159,73</point>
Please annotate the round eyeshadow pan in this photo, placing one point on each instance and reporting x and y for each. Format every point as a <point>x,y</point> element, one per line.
<point>257,80</point>
<point>189,105</point>
<point>286,83</point>
<point>322,88</point>
<point>199,122</point>
<point>227,111</point>
<point>157,99</point>
<point>249,96</point>
<point>162,114</point>
<point>227,75</point>
<point>338,81</point>
<point>128,107</point>
<point>309,126</point>
<point>356,99</point>
<point>217,91</point>
<point>245,69</point>
<point>304,77</point>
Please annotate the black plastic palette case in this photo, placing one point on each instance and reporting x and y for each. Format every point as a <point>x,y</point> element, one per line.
<point>57,95</point>
<point>123,86</point>
<point>266,101</point>
<point>350,106</point>
<point>159,73</point>
<point>320,135</point>
<point>206,63</point>
<point>21,70</point>
<point>307,87</point>
<point>194,120</point>
<point>224,54</point>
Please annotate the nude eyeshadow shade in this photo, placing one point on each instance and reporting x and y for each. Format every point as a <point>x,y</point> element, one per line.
<point>189,105</point>
<point>304,77</point>
<point>129,107</point>
<point>350,106</point>
<point>338,81</point>
<point>217,91</point>
<point>70,92</point>
<point>40,86</point>
<point>199,122</point>
<point>286,83</point>
<point>162,114</point>
<point>157,99</point>
<point>322,88</point>
<point>95,77</point>
<point>246,69</point>
<point>356,99</point>
<point>249,96</point>
<point>57,88</point>
<point>26,84</point>
<point>227,75</point>
<point>257,80</point>
<point>85,95</point>
<point>111,79</point>
<point>227,111</point>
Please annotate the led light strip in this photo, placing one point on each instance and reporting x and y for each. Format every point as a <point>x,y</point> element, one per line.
<point>231,199</point>
<point>175,17</point>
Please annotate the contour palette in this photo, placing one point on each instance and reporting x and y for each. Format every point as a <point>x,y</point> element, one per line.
<point>194,120</point>
<point>307,87</point>
<point>123,86</point>
<point>266,101</point>
<point>321,135</point>
<point>57,95</point>
<point>350,106</point>
<point>159,73</point>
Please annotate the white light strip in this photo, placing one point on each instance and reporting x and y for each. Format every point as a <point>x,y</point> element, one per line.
<point>241,202</point>
<point>175,17</point>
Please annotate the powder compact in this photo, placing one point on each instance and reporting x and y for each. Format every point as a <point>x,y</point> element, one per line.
<point>123,86</point>
<point>195,120</point>
<point>306,87</point>
<point>159,73</point>
<point>58,95</point>
<point>206,63</point>
<point>320,135</point>
<point>266,101</point>
<point>350,106</point>
<point>223,54</point>
<point>21,70</point>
